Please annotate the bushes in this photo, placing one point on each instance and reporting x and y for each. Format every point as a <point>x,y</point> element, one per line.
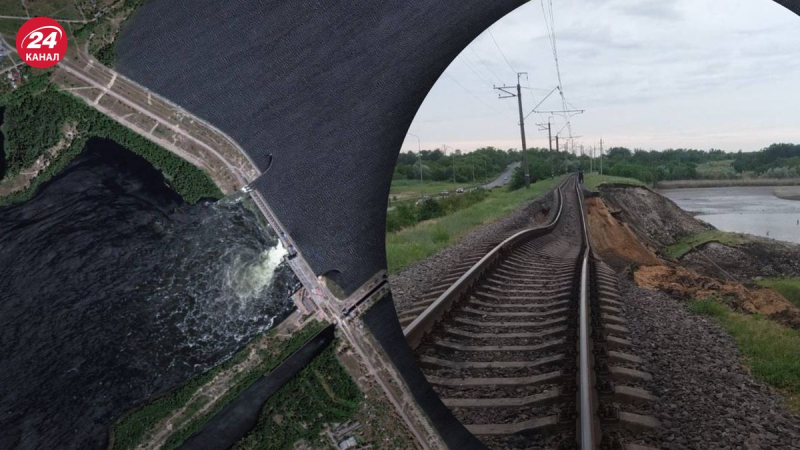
<point>130,431</point>
<point>430,209</point>
<point>35,116</point>
<point>405,214</point>
<point>321,393</point>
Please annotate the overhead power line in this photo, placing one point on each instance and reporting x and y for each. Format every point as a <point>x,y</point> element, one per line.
<point>501,51</point>
<point>471,93</point>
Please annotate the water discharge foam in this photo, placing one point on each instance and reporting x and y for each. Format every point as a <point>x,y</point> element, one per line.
<point>114,290</point>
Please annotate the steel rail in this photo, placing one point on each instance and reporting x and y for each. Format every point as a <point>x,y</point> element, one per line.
<point>589,429</point>
<point>424,323</point>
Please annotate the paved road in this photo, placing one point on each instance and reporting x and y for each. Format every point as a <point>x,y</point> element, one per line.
<point>504,178</point>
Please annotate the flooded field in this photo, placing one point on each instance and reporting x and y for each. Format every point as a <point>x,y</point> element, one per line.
<point>752,210</point>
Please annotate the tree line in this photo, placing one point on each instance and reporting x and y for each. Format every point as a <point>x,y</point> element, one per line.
<point>434,165</point>
<point>35,118</point>
<point>781,160</point>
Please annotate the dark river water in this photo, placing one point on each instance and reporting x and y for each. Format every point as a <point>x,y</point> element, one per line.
<point>112,289</point>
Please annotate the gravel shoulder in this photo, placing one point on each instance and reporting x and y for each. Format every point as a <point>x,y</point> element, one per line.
<point>707,398</point>
<point>417,278</point>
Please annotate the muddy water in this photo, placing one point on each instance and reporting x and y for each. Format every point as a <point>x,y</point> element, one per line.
<point>752,210</point>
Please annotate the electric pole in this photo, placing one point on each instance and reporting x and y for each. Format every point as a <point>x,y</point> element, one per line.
<point>521,124</point>
<point>601,157</point>
<point>549,133</point>
<point>472,162</point>
<point>452,158</point>
<point>558,149</point>
<point>419,155</point>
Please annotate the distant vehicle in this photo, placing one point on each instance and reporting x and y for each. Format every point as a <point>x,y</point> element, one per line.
<point>460,191</point>
<point>505,179</point>
<point>421,200</point>
<point>444,193</point>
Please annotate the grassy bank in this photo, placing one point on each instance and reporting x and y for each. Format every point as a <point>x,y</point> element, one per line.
<point>139,425</point>
<point>321,393</point>
<point>686,244</point>
<point>593,180</point>
<point>426,238</point>
<point>770,350</point>
<point>788,287</point>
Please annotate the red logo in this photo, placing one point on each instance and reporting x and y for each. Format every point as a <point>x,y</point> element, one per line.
<point>41,42</point>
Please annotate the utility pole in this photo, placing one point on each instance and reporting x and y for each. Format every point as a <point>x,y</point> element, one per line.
<point>452,158</point>
<point>472,162</point>
<point>549,133</point>
<point>558,149</point>
<point>601,157</point>
<point>419,155</point>
<point>521,124</point>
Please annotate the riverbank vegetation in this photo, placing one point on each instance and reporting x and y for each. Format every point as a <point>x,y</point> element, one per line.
<point>770,350</point>
<point>321,393</point>
<point>778,161</point>
<point>38,116</point>
<point>689,243</point>
<point>103,28</point>
<point>182,404</point>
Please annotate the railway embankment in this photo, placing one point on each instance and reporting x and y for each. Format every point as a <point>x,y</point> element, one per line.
<point>721,346</point>
<point>416,280</point>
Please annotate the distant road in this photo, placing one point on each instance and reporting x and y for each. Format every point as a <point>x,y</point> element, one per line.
<point>504,178</point>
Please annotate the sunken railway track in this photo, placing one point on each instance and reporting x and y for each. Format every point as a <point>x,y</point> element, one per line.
<point>528,348</point>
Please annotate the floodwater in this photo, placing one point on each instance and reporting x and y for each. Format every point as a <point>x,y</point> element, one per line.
<point>751,210</point>
<point>113,289</point>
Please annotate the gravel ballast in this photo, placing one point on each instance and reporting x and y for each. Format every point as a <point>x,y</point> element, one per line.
<point>414,280</point>
<point>707,398</point>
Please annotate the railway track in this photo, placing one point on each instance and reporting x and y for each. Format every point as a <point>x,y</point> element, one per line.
<point>528,348</point>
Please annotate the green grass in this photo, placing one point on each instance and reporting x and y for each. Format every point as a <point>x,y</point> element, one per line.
<point>685,245</point>
<point>413,189</point>
<point>133,429</point>
<point>787,287</point>
<point>321,393</point>
<point>770,350</point>
<point>9,28</point>
<point>593,180</point>
<point>11,8</point>
<point>56,9</point>
<point>412,244</point>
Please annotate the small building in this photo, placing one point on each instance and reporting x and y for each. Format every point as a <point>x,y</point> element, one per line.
<point>348,443</point>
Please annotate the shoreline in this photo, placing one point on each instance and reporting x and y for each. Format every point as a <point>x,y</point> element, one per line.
<point>746,182</point>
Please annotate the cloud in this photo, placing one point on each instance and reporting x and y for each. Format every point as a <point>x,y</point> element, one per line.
<point>652,9</point>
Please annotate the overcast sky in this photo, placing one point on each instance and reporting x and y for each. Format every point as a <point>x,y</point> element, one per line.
<point>650,74</point>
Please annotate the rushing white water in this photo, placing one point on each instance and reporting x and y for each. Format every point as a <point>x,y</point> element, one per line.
<point>114,290</point>
<point>250,280</point>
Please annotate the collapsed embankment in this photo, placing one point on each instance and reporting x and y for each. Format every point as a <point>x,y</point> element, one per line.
<point>632,227</point>
<point>724,366</point>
